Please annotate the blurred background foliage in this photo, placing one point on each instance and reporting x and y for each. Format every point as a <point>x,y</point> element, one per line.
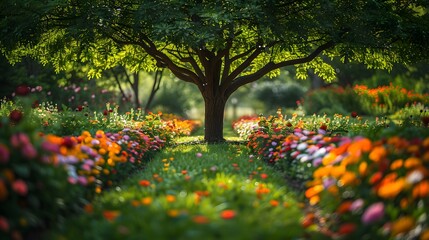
<point>356,89</point>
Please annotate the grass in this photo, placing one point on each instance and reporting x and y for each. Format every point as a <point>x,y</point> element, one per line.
<point>194,192</point>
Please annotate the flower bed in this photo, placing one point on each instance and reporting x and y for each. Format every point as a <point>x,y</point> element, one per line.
<point>362,187</point>
<point>45,177</point>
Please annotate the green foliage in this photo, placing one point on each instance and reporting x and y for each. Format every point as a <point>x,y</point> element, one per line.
<point>277,94</point>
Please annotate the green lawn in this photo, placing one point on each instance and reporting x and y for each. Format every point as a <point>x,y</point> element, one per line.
<point>194,192</point>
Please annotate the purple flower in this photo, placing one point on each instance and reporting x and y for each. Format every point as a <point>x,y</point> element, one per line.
<point>373,213</point>
<point>274,144</point>
<point>199,154</point>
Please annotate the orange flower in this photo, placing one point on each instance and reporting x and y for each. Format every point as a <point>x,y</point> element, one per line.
<point>308,220</point>
<point>359,146</point>
<point>313,191</point>
<point>274,203</point>
<point>363,167</point>
<point>344,207</point>
<point>135,203</point>
<point>144,183</point>
<point>425,235</point>
<point>228,214</point>
<point>89,208</point>
<point>146,201</point>
<point>412,162</point>
<point>110,215</point>
<point>338,171</point>
<point>421,190</point>
<point>173,213</point>
<point>170,198</point>
<point>397,164</point>
<point>200,219</point>
<point>377,153</point>
<point>402,225</point>
<point>322,172</point>
<point>347,179</point>
<point>376,177</point>
<point>391,189</point>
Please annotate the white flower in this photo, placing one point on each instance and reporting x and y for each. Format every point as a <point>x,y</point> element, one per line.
<point>415,177</point>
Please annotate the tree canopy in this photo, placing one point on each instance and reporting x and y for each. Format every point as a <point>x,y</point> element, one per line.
<point>217,45</point>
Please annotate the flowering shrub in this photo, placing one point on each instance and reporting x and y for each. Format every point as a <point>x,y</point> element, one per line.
<point>245,125</point>
<point>365,101</point>
<point>297,153</point>
<point>375,188</point>
<point>34,192</point>
<point>45,177</point>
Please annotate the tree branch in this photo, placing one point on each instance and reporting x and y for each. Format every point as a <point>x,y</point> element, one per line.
<point>273,66</point>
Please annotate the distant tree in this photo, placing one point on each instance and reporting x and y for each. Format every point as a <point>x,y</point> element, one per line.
<point>217,45</point>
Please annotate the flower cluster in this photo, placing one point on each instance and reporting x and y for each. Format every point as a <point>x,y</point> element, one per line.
<point>377,188</point>
<point>245,125</point>
<point>297,153</point>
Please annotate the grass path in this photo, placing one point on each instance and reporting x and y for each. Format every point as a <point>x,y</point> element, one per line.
<point>194,192</point>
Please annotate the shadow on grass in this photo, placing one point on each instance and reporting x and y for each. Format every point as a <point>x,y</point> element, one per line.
<point>203,191</point>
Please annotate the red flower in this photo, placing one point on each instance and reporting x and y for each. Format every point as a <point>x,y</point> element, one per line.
<point>144,183</point>
<point>22,90</point>
<point>68,142</point>
<point>79,108</point>
<point>4,224</point>
<point>227,214</point>
<point>347,228</point>
<point>354,114</point>
<point>323,127</point>
<point>20,187</point>
<point>105,112</point>
<point>15,116</point>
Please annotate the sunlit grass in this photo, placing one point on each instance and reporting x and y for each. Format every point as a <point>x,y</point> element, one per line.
<point>195,192</point>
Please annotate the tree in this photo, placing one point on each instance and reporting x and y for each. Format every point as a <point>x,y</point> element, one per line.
<point>219,46</point>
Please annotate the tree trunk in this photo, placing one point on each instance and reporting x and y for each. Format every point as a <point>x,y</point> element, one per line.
<point>213,122</point>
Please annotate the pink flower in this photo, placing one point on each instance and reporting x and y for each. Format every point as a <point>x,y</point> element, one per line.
<point>19,139</point>
<point>373,213</point>
<point>357,205</point>
<point>50,147</point>
<point>4,154</point>
<point>4,224</point>
<point>20,187</point>
<point>29,151</point>
<point>199,155</point>
<point>72,180</point>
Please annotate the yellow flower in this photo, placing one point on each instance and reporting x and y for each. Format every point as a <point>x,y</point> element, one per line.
<point>329,158</point>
